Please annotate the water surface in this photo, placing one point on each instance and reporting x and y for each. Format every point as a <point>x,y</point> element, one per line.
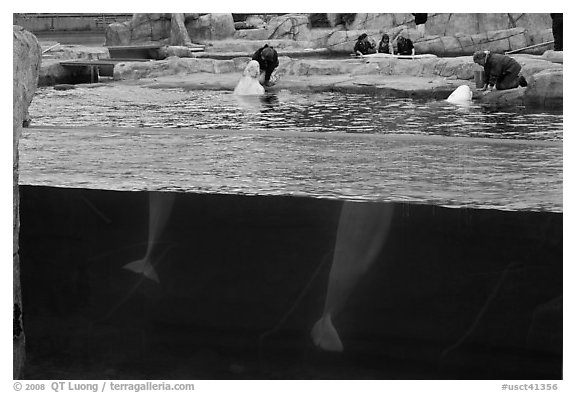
<point>134,106</point>
<point>326,145</point>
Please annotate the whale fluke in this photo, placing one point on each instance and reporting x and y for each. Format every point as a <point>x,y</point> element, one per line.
<point>143,266</point>
<point>325,336</point>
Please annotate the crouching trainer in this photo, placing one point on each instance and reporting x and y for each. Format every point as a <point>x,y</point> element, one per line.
<point>500,71</point>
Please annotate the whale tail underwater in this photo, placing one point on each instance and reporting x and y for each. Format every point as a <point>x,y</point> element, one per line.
<point>462,95</point>
<point>160,206</point>
<point>362,232</point>
<point>325,336</point>
<point>144,267</point>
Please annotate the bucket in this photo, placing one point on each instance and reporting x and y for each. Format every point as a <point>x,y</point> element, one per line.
<point>479,79</point>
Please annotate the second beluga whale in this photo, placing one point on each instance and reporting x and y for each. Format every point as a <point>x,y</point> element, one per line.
<point>362,232</point>
<point>461,96</point>
<point>160,207</point>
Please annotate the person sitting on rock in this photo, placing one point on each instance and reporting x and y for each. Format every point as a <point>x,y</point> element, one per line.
<point>404,46</point>
<point>500,71</point>
<point>384,46</point>
<point>364,45</point>
<point>267,58</point>
<point>249,84</point>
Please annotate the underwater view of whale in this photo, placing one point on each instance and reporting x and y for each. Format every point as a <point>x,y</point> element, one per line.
<point>160,207</point>
<point>362,232</point>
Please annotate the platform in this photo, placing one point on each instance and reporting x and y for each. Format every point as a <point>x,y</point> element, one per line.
<point>97,68</point>
<point>153,51</point>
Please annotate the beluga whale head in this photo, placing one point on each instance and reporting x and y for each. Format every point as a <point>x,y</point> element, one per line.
<point>462,95</point>
<point>249,84</point>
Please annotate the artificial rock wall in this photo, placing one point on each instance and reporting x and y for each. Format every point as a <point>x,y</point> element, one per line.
<point>26,66</point>
<point>446,34</point>
<point>170,29</point>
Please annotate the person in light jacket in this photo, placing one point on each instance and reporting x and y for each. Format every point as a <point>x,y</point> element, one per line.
<point>385,46</point>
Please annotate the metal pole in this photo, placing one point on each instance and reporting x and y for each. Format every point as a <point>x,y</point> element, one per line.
<point>49,49</point>
<point>529,47</point>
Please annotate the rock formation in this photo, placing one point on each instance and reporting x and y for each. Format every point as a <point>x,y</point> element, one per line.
<point>170,29</point>
<point>26,66</point>
<point>446,34</point>
<point>466,44</point>
<point>210,27</point>
<point>178,33</point>
<point>545,89</point>
<point>554,56</point>
<point>444,24</point>
<point>290,26</point>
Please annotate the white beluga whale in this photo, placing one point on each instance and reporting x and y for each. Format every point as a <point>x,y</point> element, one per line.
<point>462,95</point>
<point>362,232</point>
<point>249,84</point>
<point>160,206</point>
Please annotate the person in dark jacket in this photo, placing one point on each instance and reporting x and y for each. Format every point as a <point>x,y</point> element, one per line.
<point>557,31</point>
<point>267,57</point>
<point>404,46</point>
<point>420,21</point>
<point>500,71</point>
<point>364,46</point>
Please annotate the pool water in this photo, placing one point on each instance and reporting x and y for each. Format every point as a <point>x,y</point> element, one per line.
<point>134,106</point>
<point>324,145</point>
<point>244,265</point>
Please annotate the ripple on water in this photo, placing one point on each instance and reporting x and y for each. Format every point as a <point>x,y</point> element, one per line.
<point>135,106</point>
<point>321,145</point>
